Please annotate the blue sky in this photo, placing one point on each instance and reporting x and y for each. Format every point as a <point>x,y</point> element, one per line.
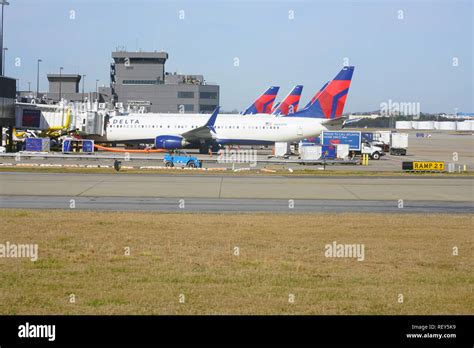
<point>404,60</point>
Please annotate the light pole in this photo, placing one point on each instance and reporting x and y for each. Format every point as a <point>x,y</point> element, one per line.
<point>29,87</point>
<point>3,3</point>
<point>5,49</point>
<point>97,90</point>
<point>60,79</point>
<point>83,82</point>
<point>38,78</point>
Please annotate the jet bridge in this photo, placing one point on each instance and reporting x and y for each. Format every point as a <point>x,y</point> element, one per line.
<point>59,118</point>
<point>41,117</point>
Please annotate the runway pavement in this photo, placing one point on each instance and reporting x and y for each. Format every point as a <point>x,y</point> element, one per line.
<point>235,193</point>
<point>230,205</point>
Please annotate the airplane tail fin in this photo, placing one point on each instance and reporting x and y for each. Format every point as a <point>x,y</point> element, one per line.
<point>318,93</point>
<point>276,106</point>
<point>289,105</point>
<point>331,99</point>
<point>264,103</point>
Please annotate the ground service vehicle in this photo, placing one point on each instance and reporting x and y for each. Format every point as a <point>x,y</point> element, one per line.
<point>378,138</point>
<point>398,144</point>
<point>357,145</point>
<point>180,158</point>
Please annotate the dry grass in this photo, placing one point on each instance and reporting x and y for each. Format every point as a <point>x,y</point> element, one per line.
<point>82,252</point>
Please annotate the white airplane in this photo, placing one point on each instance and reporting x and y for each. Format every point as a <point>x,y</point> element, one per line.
<point>174,131</point>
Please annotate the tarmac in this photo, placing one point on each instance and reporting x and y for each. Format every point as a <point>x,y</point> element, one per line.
<point>216,193</point>
<point>457,148</point>
<point>231,205</point>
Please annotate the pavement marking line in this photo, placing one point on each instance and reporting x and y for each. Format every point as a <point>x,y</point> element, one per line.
<point>87,189</point>
<point>352,193</point>
<point>220,186</point>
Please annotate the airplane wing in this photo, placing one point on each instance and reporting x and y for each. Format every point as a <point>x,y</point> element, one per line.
<point>335,123</point>
<point>204,132</point>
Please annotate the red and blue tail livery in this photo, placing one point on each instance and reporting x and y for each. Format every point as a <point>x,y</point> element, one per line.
<point>329,101</point>
<point>289,105</point>
<point>264,103</point>
<point>316,95</point>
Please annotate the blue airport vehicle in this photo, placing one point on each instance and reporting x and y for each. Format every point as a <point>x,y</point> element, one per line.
<point>37,144</point>
<point>180,158</point>
<point>67,146</point>
<point>88,146</point>
<point>78,146</point>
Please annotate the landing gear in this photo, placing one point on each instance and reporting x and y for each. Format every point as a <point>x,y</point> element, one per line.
<point>204,148</point>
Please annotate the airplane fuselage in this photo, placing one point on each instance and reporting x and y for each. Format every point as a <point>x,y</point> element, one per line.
<point>228,129</point>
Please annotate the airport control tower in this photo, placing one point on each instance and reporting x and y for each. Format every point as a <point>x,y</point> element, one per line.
<point>139,80</point>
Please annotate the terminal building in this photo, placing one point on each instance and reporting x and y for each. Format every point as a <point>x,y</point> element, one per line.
<point>139,80</point>
<point>68,86</point>
<point>65,86</point>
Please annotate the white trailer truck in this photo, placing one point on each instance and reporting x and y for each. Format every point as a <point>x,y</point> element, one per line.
<point>398,144</point>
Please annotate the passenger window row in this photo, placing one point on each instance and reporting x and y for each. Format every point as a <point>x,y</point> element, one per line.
<point>192,127</point>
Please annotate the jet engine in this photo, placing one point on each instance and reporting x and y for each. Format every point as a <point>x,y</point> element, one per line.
<point>170,142</point>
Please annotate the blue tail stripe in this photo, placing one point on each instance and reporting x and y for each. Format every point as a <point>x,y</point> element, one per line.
<point>335,100</point>
<point>345,73</point>
<point>266,104</point>
<point>315,111</point>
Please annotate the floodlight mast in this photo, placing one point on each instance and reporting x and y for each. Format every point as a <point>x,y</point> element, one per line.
<point>2,52</point>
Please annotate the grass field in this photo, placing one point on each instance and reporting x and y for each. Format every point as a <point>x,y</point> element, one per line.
<point>83,253</point>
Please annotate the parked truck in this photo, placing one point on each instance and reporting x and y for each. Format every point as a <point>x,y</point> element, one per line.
<point>357,144</point>
<point>311,151</point>
<point>378,138</point>
<point>398,144</point>
<point>282,149</point>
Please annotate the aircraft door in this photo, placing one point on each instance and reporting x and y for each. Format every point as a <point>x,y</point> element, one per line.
<point>299,131</point>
